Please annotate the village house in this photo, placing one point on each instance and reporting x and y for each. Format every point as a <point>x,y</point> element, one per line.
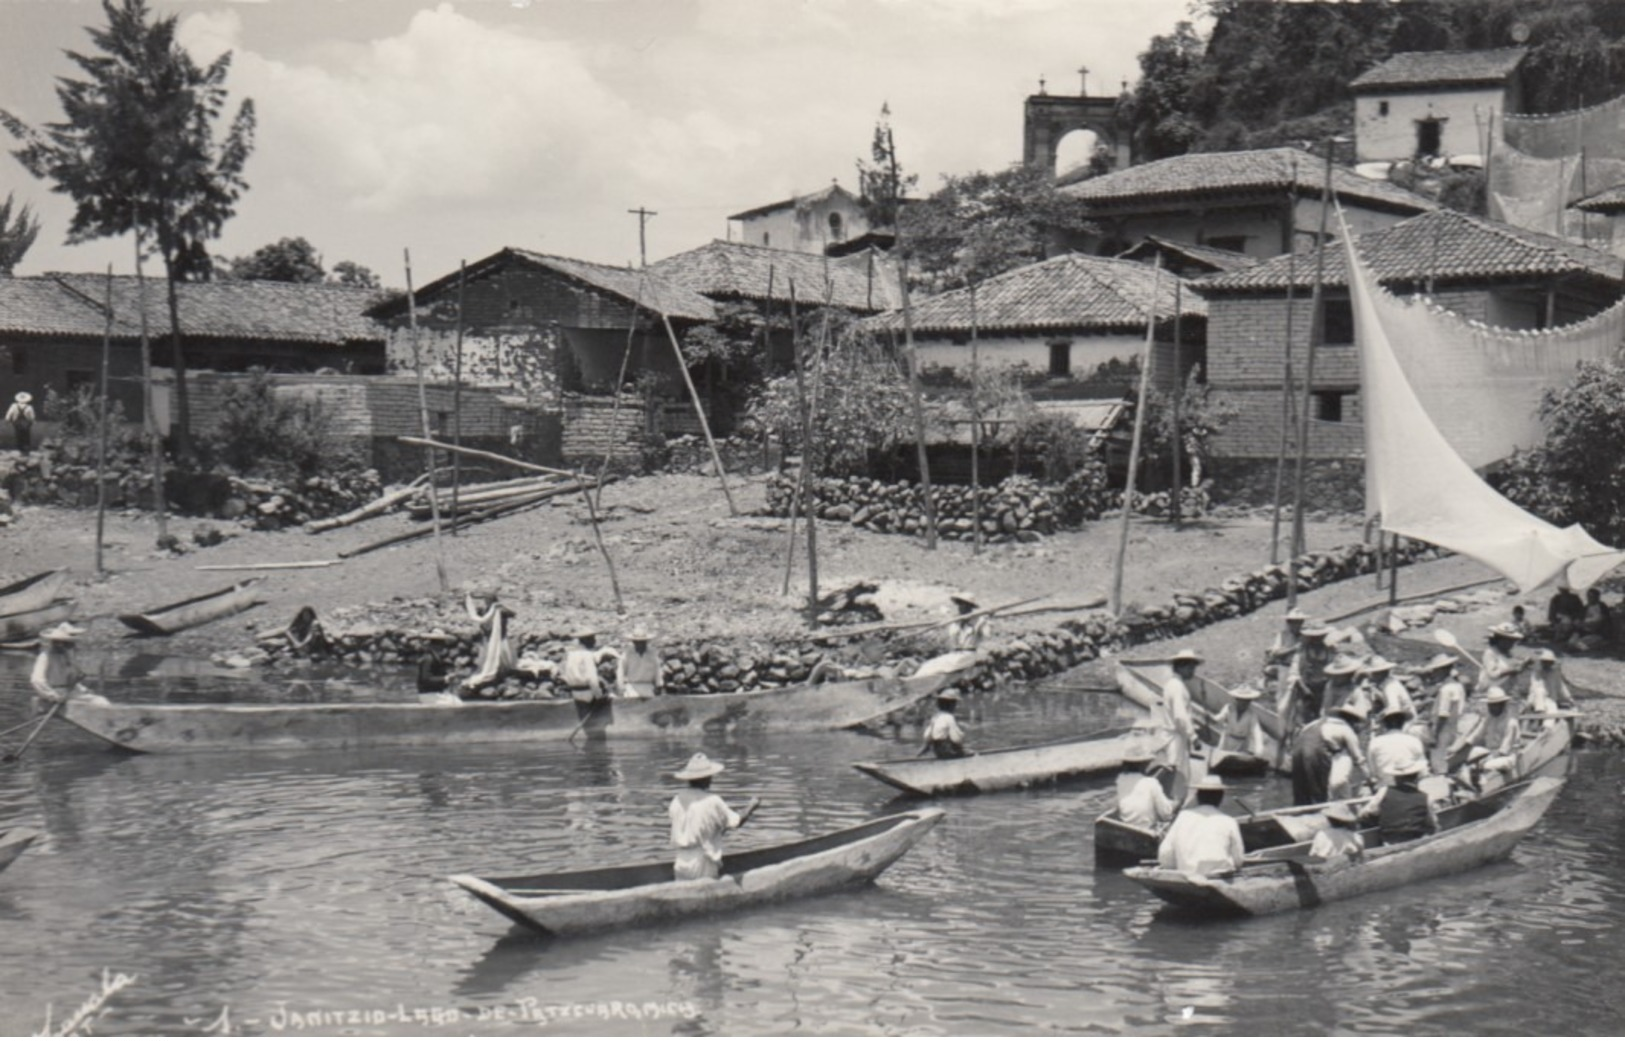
<point>51,330</point>
<point>1420,104</point>
<point>831,220</point>
<point>1262,202</point>
<point>1481,269</point>
<point>1186,259</point>
<point>1599,221</point>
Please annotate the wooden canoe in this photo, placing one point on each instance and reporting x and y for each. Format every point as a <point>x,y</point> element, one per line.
<point>12,843</point>
<point>31,593</point>
<point>1142,681</point>
<point>289,727</point>
<point>1471,835</point>
<point>1000,769</point>
<point>199,610</point>
<point>594,900</point>
<point>26,625</point>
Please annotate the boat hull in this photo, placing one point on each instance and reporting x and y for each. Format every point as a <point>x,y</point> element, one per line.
<point>594,901</point>
<point>27,624</point>
<point>189,614</point>
<point>12,843</point>
<point>31,593</point>
<point>242,728</point>
<point>1004,769</point>
<point>1270,888</point>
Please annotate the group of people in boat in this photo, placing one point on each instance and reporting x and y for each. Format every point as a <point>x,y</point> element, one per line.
<point>1348,724</point>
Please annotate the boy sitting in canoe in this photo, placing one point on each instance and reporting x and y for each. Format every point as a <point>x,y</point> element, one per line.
<point>942,735</point>
<point>1339,840</point>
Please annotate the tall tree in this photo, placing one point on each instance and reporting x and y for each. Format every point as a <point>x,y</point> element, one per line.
<point>17,234</point>
<point>882,185</point>
<point>349,273</point>
<point>983,224</point>
<point>137,153</point>
<point>286,260</point>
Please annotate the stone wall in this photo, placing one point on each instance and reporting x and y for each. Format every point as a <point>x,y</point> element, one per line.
<point>1336,485</point>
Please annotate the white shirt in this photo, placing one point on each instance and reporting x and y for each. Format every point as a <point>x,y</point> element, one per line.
<point>1204,840</point>
<point>1332,843</point>
<point>1174,712</point>
<point>702,824</point>
<point>944,727</point>
<point>1395,696</point>
<point>1450,700</point>
<point>1144,805</point>
<point>967,636</point>
<point>1391,749</point>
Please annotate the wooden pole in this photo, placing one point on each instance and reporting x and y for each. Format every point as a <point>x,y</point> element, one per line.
<point>423,415</point>
<point>457,397</point>
<point>1179,395</point>
<point>1288,385</point>
<point>800,497</point>
<point>155,444</point>
<point>101,427</point>
<point>1317,332</point>
<point>1116,602</point>
<point>809,463</point>
<point>1393,569</point>
<point>620,384</point>
<point>928,507</point>
<point>975,432</point>
<point>699,410</point>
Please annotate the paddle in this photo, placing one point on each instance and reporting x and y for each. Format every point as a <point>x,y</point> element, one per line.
<point>592,710</point>
<point>12,757</point>
<point>750,808</point>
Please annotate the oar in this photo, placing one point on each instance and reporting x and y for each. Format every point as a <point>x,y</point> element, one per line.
<point>750,809</point>
<point>592,711</point>
<point>12,757</point>
<point>1447,639</point>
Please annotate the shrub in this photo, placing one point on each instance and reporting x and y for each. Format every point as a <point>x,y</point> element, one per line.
<point>264,433</point>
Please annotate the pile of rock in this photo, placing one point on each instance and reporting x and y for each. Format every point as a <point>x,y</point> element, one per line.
<point>269,505</point>
<point>1017,509</point>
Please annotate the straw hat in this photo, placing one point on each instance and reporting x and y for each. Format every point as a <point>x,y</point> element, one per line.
<point>24,398</point>
<point>586,633</point>
<point>1547,656</point>
<point>1186,654</point>
<point>63,632</point>
<point>699,766</point>
<point>1352,711</point>
<point>640,634</point>
<point>1411,768</point>
<point>1315,631</point>
<point>1340,814</point>
<point>1396,711</point>
<point>948,695</point>
<point>1246,693</point>
<point>1342,665</point>
<point>1377,664</point>
<point>1297,614</point>
<point>1497,696</point>
<point>1210,783</point>
<point>1506,630</point>
<point>1437,662</point>
<point>964,601</point>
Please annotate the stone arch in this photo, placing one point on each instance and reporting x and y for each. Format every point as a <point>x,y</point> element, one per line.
<point>1050,117</point>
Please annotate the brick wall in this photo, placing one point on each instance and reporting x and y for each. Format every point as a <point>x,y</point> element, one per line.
<point>524,359</point>
<point>592,427</point>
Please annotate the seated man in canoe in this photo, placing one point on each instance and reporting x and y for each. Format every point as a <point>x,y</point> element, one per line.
<point>1548,693</point>
<point>1497,667</point>
<point>1393,747</point>
<point>1141,800</point>
<point>1238,729</point>
<point>55,675</point>
<point>1340,839</point>
<point>1496,731</point>
<point>1203,840</point>
<point>699,819</point>
<point>943,737</point>
<point>1403,811</point>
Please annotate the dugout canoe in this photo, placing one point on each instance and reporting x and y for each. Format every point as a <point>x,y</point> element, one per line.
<point>25,625</point>
<point>191,613</point>
<point>12,843</point>
<point>1142,681</point>
<point>1001,769</point>
<point>31,593</point>
<point>163,728</point>
<point>594,900</point>
<point>1471,835</point>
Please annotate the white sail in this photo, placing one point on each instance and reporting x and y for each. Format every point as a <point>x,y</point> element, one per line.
<point>1422,488</point>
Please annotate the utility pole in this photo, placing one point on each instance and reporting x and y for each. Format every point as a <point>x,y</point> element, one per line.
<point>643,222</point>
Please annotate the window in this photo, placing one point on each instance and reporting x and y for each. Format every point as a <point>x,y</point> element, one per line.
<point>1429,133</point>
<point>1233,243</point>
<point>1060,358</point>
<point>1337,317</point>
<point>837,232</point>
<point>1329,405</point>
<point>767,240</point>
<point>1382,108</point>
<point>442,422</point>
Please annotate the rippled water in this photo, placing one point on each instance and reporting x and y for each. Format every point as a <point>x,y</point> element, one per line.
<point>307,894</point>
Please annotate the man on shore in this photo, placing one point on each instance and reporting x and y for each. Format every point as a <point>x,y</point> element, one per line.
<point>1172,714</point>
<point>21,417</point>
<point>1203,840</point>
<point>1303,691</point>
<point>964,633</point>
<point>1498,668</point>
<point>639,671</point>
<point>1289,639</point>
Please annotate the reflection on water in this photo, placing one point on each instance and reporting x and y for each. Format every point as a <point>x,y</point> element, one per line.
<point>284,890</point>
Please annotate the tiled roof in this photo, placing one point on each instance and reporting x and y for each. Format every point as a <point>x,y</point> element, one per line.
<point>1255,170</point>
<point>1440,68</point>
<point>652,290</point>
<point>861,281</point>
<point>797,200</point>
<point>1071,292</point>
<point>1447,246</point>
<point>1211,257</point>
<point>1610,201</point>
<point>71,305</point>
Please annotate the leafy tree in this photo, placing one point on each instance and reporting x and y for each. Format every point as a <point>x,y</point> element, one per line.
<point>17,234</point>
<point>863,409</point>
<point>983,224</point>
<point>286,260</point>
<point>882,185</point>
<point>349,273</point>
<point>1159,110</point>
<point>137,153</point>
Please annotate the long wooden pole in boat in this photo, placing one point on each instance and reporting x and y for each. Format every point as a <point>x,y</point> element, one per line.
<point>1317,332</point>
<point>699,410</point>
<point>1179,394</point>
<point>1288,386</point>
<point>457,397</point>
<point>1116,604</point>
<point>101,427</point>
<point>799,495</point>
<point>155,443</point>
<point>423,414</point>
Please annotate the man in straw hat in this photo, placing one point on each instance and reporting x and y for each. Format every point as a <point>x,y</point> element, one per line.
<point>1548,694</point>
<point>1340,839</point>
<point>1172,713</point>
<point>1497,667</point>
<point>966,634</point>
<point>1303,692</point>
<point>699,819</point>
<point>1341,686</point>
<point>638,675</point>
<point>1384,692</point>
<point>55,675</point>
<point>1403,811</point>
<point>21,417</point>
<point>1238,726</point>
<point>1203,840</point>
<point>580,671</point>
<point>1141,800</point>
<point>1324,755</point>
<point>942,735</point>
<point>1288,639</point>
<point>1497,729</point>
<point>1449,702</point>
<point>1393,747</point>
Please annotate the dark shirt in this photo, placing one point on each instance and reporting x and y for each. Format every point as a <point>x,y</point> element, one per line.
<point>1565,604</point>
<point>1403,814</point>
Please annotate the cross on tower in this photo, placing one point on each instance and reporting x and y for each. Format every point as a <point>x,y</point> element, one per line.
<point>1083,81</point>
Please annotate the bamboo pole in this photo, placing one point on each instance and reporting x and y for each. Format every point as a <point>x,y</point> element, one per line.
<point>154,442</point>
<point>101,428</point>
<point>929,508</point>
<point>1116,602</point>
<point>975,432</point>
<point>699,410</point>
<point>1179,396</point>
<point>800,494</point>
<point>809,456</point>
<point>423,414</point>
<point>457,396</point>
<point>620,384</point>
<point>1288,387</point>
<point>1317,331</point>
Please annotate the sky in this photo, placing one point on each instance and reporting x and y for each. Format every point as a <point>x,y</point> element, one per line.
<point>454,128</point>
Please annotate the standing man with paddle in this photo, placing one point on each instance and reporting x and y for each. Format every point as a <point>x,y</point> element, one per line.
<point>581,676</point>
<point>699,819</point>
